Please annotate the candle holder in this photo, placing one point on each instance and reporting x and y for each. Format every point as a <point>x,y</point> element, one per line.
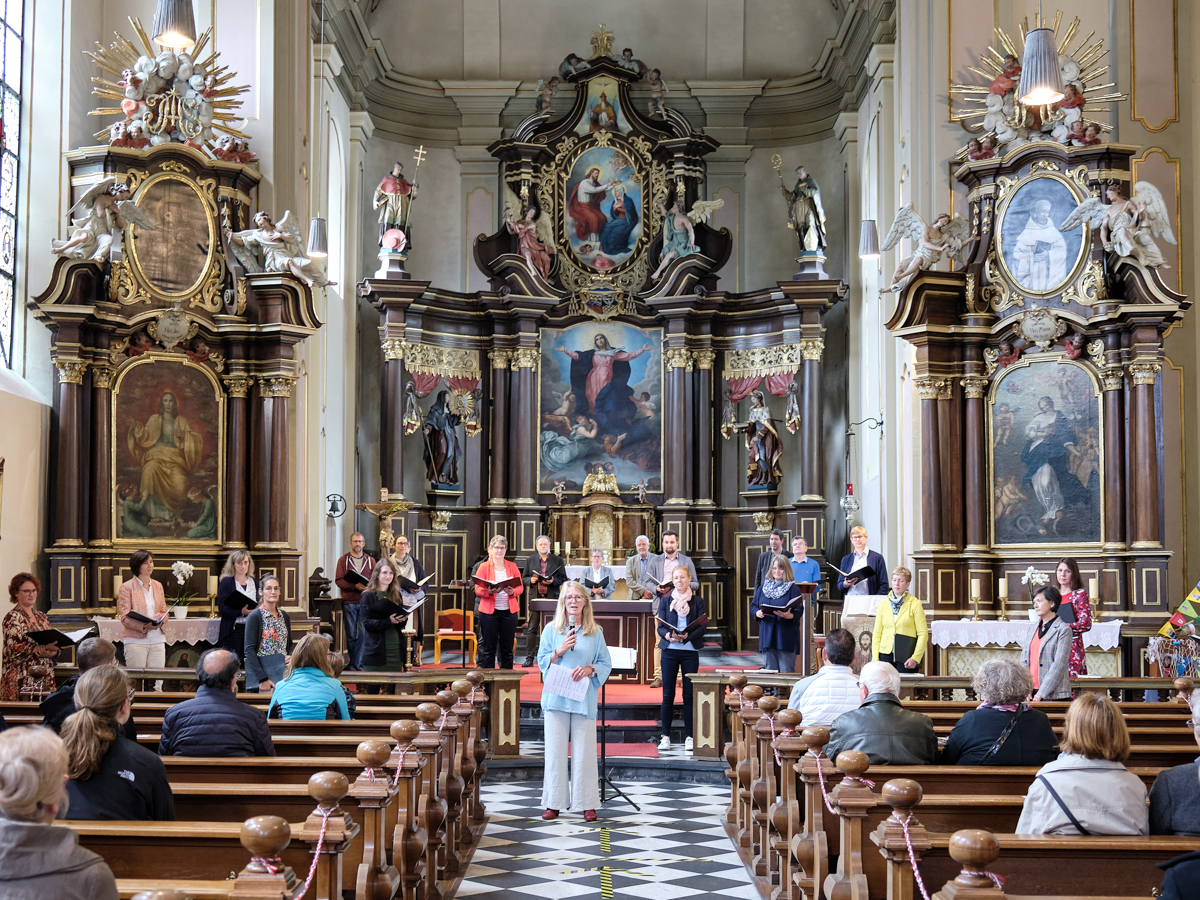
<point>975,605</point>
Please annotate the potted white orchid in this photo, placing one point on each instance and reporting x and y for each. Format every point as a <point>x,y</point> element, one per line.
<point>1033,579</point>
<point>182,572</point>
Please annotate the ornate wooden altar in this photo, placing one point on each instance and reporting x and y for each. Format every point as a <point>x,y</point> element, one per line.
<point>1039,393</point>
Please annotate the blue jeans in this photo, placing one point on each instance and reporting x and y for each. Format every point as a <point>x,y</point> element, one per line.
<point>779,660</point>
<point>352,617</point>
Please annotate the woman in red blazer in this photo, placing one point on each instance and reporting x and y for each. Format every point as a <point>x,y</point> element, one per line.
<point>498,609</point>
<point>144,643</point>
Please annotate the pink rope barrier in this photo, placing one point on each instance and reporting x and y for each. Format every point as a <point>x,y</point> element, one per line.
<point>911,856</point>
<point>312,870</point>
<point>997,880</point>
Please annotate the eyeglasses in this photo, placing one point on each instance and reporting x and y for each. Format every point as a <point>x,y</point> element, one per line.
<point>132,691</point>
<point>1191,723</point>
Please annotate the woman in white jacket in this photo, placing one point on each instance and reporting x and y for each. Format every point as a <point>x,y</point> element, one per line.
<point>1088,790</point>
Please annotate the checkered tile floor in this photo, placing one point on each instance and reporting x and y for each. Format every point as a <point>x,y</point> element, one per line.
<point>674,848</point>
<point>538,749</point>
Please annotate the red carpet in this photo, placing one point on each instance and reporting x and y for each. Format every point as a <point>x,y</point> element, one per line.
<point>647,751</point>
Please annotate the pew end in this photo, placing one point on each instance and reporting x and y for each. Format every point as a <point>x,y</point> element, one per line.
<point>265,877</point>
<point>975,849</point>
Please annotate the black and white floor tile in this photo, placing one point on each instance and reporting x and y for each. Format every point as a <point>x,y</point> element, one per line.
<point>538,749</point>
<point>673,848</point>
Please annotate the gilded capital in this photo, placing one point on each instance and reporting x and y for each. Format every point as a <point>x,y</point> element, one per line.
<point>1144,372</point>
<point>974,388</point>
<point>813,349</point>
<point>1114,378</point>
<point>934,388</point>
<point>525,358</point>
<point>704,359</point>
<point>277,386</point>
<point>677,358</point>
<point>393,348</point>
<point>70,371</point>
<point>238,386</point>
<point>102,376</point>
<point>500,358</point>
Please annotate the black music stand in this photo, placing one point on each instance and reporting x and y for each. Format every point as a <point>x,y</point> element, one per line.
<point>604,779</point>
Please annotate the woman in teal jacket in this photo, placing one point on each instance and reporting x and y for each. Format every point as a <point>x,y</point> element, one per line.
<point>308,689</point>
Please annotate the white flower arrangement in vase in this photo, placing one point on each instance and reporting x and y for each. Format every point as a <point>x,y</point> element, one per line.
<point>1031,579</point>
<point>182,572</point>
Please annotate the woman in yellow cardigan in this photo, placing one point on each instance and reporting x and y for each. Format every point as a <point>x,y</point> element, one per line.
<point>901,634</point>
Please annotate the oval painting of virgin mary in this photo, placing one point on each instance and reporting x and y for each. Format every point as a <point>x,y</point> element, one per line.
<point>604,208</point>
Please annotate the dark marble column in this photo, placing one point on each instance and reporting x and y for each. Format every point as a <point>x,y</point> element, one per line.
<point>523,424</point>
<point>237,461</point>
<point>812,453</point>
<point>932,390</point>
<point>260,465</point>
<point>275,407</point>
<point>499,423</point>
<point>704,418</point>
<point>100,532</point>
<point>69,512</point>
<point>675,431</point>
<point>1143,374</point>
<point>391,426</point>
<point>1115,434</point>
<point>975,468</point>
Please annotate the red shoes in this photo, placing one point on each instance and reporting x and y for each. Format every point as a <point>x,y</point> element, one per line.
<point>552,814</point>
<point>589,815</point>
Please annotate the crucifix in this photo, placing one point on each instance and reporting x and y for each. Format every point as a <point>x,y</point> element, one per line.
<point>386,510</point>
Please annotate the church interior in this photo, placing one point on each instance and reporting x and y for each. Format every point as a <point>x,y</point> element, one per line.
<point>772,293</point>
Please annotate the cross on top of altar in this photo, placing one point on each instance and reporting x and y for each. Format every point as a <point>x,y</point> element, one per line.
<point>386,510</point>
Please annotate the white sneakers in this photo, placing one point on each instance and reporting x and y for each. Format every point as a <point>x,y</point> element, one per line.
<point>687,745</point>
<point>665,742</point>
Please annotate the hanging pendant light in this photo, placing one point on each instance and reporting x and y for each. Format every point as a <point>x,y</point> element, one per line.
<point>868,240</point>
<point>1041,76</point>
<point>318,239</point>
<point>175,23</point>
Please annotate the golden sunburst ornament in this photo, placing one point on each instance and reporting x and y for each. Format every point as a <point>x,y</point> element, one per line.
<point>993,111</point>
<point>165,95</point>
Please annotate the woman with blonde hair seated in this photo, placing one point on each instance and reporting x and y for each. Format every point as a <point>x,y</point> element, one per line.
<point>39,859</point>
<point>1088,790</point>
<point>112,777</point>
<point>308,689</point>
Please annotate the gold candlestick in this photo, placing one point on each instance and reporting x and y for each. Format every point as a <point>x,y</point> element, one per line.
<point>975,603</point>
<point>1003,617</point>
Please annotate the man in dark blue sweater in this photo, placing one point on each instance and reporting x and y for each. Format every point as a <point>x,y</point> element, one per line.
<point>215,722</point>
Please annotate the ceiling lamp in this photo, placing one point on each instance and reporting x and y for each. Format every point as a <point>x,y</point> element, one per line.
<point>868,240</point>
<point>1041,77</point>
<point>175,23</point>
<point>318,238</point>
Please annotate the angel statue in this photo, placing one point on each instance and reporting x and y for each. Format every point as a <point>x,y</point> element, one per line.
<point>276,248</point>
<point>944,235</point>
<point>546,91</point>
<point>805,212</point>
<point>679,233</point>
<point>535,234</point>
<point>109,210</point>
<point>1128,225</point>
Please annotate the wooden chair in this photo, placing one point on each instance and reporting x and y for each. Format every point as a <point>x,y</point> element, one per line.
<point>450,628</point>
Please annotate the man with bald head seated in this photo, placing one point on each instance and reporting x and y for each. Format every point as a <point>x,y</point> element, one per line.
<point>91,653</point>
<point>215,722</point>
<point>888,733</point>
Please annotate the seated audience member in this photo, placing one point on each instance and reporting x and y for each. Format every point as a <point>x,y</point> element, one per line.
<point>823,697</point>
<point>888,733</point>
<point>91,653</point>
<point>1003,730</point>
<point>1182,875</point>
<point>39,860</point>
<point>215,722</point>
<point>1175,799</point>
<point>1087,790</point>
<point>111,776</point>
<point>337,665</point>
<point>308,689</point>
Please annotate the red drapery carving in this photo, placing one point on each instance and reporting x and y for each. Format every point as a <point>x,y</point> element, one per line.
<point>425,383</point>
<point>741,387</point>
<point>778,384</point>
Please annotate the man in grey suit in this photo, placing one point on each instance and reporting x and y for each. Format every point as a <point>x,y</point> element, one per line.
<point>659,569</point>
<point>635,569</point>
<point>600,574</point>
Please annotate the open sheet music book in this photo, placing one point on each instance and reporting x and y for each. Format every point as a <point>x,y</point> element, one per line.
<point>502,584</point>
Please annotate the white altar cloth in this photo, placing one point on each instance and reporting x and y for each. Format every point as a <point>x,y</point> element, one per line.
<point>964,632</point>
<point>176,631</point>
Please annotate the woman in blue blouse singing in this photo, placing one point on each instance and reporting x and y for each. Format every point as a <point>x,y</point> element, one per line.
<point>573,640</point>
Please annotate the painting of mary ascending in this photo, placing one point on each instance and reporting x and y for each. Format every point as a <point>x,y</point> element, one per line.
<point>604,208</point>
<point>167,455</point>
<point>1046,440</point>
<point>601,391</point>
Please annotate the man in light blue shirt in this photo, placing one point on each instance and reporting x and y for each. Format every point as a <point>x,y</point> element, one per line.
<point>803,568</point>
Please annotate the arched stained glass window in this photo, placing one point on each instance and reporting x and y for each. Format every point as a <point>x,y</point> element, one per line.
<point>12,22</point>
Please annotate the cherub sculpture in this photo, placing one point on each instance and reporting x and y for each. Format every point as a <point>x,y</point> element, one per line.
<point>109,210</point>
<point>1128,225</point>
<point>276,248</point>
<point>547,90</point>
<point>679,233</point>
<point>560,490</point>
<point>534,232</point>
<point>657,89</point>
<point>943,236</point>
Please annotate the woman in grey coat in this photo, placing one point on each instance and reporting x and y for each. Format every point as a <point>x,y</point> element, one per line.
<point>1047,649</point>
